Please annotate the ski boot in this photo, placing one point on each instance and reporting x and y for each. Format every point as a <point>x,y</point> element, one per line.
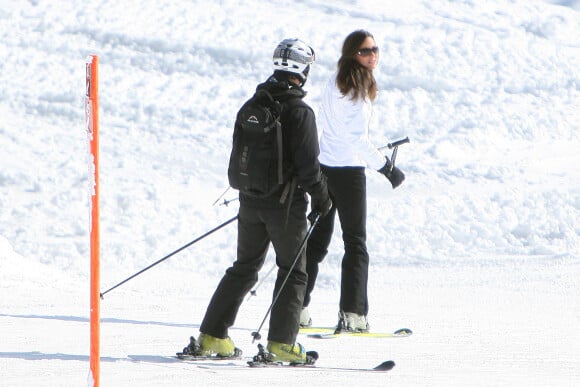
<point>305,320</point>
<point>351,322</point>
<point>210,348</point>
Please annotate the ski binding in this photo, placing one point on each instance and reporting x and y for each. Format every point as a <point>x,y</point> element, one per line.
<point>265,359</point>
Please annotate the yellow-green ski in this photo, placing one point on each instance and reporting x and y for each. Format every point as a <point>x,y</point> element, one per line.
<point>328,333</point>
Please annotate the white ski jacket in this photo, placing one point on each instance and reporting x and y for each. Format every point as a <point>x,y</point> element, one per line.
<point>343,127</point>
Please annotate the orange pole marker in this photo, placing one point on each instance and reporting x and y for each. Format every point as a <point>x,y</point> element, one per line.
<point>92,118</point>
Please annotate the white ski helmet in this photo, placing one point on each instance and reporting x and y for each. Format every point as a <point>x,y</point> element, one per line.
<point>294,56</point>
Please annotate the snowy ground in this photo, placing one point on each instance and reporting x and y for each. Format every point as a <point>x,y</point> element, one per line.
<point>478,252</point>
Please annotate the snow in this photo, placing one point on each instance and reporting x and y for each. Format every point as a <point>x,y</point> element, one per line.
<point>478,251</point>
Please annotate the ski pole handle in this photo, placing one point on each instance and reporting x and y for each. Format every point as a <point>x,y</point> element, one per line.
<point>395,144</point>
<point>398,142</point>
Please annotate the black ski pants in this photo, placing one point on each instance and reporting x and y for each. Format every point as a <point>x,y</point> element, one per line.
<point>257,227</point>
<point>347,188</point>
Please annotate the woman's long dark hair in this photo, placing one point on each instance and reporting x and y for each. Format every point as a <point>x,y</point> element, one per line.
<point>352,76</point>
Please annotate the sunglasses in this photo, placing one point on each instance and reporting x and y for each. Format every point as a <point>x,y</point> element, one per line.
<point>368,51</point>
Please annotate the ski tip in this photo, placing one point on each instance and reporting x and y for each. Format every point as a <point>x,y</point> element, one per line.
<point>385,366</point>
<point>403,332</point>
<point>322,336</point>
<point>311,356</point>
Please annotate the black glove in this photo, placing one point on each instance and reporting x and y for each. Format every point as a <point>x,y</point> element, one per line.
<point>320,201</point>
<point>394,174</point>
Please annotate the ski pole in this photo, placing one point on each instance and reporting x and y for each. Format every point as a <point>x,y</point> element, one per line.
<point>221,196</point>
<point>170,255</point>
<point>315,218</point>
<point>253,291</point>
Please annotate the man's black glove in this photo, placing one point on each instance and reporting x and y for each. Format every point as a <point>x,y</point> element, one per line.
<point>394,174</point>
<point>320,200</point>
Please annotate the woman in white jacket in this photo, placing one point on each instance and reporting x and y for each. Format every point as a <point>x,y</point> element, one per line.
<point>345,152</point>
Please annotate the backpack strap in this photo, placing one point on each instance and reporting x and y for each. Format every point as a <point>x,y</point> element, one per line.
<point>273,104</point>
<point>277,107</point>
<point>288,191</point>
<point>291,185</point>
<point>280,151</point>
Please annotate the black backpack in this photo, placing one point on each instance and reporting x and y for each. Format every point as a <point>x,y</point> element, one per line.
<point>256,166</point>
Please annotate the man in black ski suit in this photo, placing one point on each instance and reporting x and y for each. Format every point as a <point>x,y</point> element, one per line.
<point>265,220</point>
